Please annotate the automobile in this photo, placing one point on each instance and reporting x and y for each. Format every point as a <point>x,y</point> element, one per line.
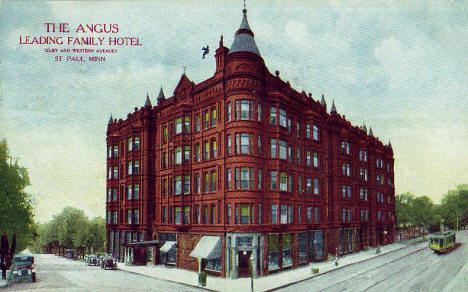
<point>22,268</point>
<point>71,254</point>
<point>108,262</point>
<point>92,260</point>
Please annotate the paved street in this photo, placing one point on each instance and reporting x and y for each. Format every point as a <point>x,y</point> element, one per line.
<point>58,274</point>
<point>404,270</point>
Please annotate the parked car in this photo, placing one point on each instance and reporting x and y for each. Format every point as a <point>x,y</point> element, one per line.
<point>108,262</point>
<point>93,260</point>
<point>71,254</point>
<point>22,268</point>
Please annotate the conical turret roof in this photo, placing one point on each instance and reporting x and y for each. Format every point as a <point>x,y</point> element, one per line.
<point>333,108</point>
<point>244,39</point>
<point>111,120</point>
<point>323,102</point>
<point>161,94</point>
<point>370,131</point>
<point>148,101</point>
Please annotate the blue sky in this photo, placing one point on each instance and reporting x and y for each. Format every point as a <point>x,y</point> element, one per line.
<point>400,67</point>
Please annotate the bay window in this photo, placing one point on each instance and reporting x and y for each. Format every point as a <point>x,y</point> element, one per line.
<point>316,133</point>
<point>178,155</point>
<point>186,153</point>
<point>186,215</point>
<point>178,215</point>
<point>178,185</point>
<point>187,124</point>
<point>283,181</point>
<point>213,117</point>
<point>245,214</point>
<point>213,182</point>
<point>284,214</point>
<point>316,159</point>
<point>229,145</point>
<point>136,167</point>
<point>259,112</point>
<point>273,148</point>
<point>229,179</point>
<point>273,178</point>
<point>316,186</point>
<point>274,213</point>
<point>136,192</point>
<point>308,131</point>
<point>178,125</point>
<point>186,184</point>
<point>229,111</point>
<point>283,154</point>
<point>273,116</point>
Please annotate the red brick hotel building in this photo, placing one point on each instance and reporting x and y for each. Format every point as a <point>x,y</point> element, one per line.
<point>242,166</point>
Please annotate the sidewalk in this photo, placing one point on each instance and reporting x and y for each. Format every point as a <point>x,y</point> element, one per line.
<point>261,283</point>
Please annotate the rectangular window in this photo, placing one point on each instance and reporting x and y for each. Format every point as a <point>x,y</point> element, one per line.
<point>178,155</point>
<point>229,145</point>
<point>298,129</point>
<point>213,214</point>
<point>186,153</point>
<point>344,214</point>
<point>273,178</point>
<point>273,116</point>
<point>298,156</point>
<point>136,167</point>
<point>316,186</point>
<point>198,183</point>
<point>136,143</point>
<point>129,144</point>
<point>245,143</point>
<point>299,185</point>
<point>245,214</point>
<point>178,215</point>
<point>114,194</point>
<point>164,134</point>
<point>316,215</point>
<point>259,179</point>
<point>259,145</point>
<point>316,133</point>
<point>308,158</point>
<point>309,186</point>
<point>289,125</point>
<point>178,125</point>
<point>283,154</point>
<point>207,150</point>
<point>164,214</point>
<point>229,111</point>
<point>229,179</point>
<point>308,132</point>
<point>284,214</point>
<point>164,187</point>
<point>259,213</point>
<point>109,153</point>
<point>178,185</point>
<point>290,214</point>
<point>109,195</point>
<point>136,218</point>
<point>299,214</point>
<point>186,215</point>
<point>116,152</point>
<point>207,119</point>
<point>290,154</point>
<point>213,182</point>
<point>129,216</point>
<point>197,123</point>
<point>130,193</point>
<point>213,117</point>
<point>136,192</point>
<point>259,112</point>
<point>282,118</point>
<point>245,178</point>
<point>214,148</point>
<point>273,148</point>
<point>229,214</point>
<point>116,172</point>
<point>197,214</point>
<point>274,213</point>
<point>244,109</point>
<point>186,184</point>
<point>129,168</point>
<point>316,159</point>
<point>309,214</point>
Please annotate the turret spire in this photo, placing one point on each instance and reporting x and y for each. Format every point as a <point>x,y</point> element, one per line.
<point>147,102</point>
<point>244,38</point>
<point>323,102</point>
<point>370,132</point>
<point>333,108</point>
<point>111,120</point>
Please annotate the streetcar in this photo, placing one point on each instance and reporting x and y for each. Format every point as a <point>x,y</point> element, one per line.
<point>442,242</point>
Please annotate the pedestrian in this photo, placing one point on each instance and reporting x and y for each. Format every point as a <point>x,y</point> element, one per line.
<point>336,257</point>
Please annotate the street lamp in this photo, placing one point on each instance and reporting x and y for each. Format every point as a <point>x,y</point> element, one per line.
<point>251,258</point>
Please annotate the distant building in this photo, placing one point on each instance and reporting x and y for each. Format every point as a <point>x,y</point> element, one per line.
<point>243,165</point>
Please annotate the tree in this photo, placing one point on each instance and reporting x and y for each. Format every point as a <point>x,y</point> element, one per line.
<point>422,211</point>
<point>16,207</point>
<point>455,206</point>
<point>403,209</point>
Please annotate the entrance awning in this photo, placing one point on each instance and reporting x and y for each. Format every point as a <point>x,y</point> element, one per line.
<point>209,247</point>
<point>167,246</point>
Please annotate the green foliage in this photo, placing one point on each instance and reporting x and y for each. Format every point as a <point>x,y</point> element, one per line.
<point>454,209</point>
<point>71,229</point>
<point>16,207</point>
<point>403,209</point>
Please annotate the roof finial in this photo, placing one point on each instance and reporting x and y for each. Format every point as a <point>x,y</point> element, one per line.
<point>161,94</point>
<point>370,132</point>
<point>245,7</point>
<point>390,144</point>
<point>323,102</point>
<point>185,69</point>
<point>111,120</point>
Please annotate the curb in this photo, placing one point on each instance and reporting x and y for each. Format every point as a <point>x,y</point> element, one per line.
<point>350,264</point>
<point>171,281</point>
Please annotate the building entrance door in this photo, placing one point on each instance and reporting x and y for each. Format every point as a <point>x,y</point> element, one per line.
<point>244,264</point>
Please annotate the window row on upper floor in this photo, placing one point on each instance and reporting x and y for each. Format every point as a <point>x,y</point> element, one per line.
<point>133,144</point>
<point>132,217</point>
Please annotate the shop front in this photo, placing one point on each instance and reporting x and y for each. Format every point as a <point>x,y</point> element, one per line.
<point>243,251</point>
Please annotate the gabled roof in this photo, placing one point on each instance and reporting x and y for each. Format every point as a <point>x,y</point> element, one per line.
<point>244,38</point>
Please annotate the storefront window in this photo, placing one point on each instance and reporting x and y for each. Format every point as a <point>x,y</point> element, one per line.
<point>273,252</point>
<point>213,264</point>
<point>287,247</point>
<point>302,247</point>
